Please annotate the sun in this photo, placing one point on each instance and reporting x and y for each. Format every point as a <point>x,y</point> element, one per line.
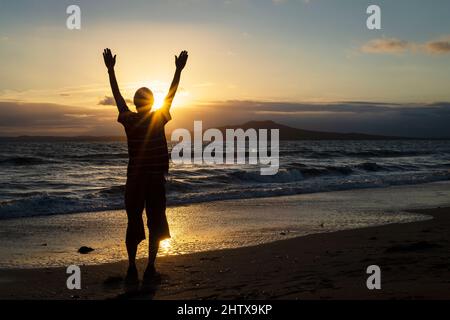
<point>159,99</point>
<point>160,90</point>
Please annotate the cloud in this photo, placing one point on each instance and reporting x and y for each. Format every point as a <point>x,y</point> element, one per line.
<point>18,118</point>
<point>410,120</point>
<point>107,101</point>
<point>398,46</point>
<point>413,120</point>
<point>438,46</point>
<point>386,45</point>
<point>110,101</point>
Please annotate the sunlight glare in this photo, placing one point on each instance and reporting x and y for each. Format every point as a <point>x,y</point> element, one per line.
<point>164,246</point>
<point>160,90</point>
<point>159,99</point>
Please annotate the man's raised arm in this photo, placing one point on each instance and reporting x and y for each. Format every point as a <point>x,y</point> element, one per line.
<point>110,62</point>
<point>180,63</point>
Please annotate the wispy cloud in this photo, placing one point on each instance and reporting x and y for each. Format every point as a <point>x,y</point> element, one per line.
<point>109,101</point>
<point>18,118</point>
<point>414,119</point>
<point>441,46</point>
<point>399,46</point>
<point>386,45</point>
<point>426,120</point>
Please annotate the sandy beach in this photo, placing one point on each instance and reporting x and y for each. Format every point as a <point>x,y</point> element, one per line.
<point>413,257</point>
<point>233,151</point>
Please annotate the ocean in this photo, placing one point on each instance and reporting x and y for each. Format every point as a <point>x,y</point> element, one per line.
<point>62,177</point>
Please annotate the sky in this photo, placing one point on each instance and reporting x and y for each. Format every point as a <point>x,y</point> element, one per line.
<point>307,63</point>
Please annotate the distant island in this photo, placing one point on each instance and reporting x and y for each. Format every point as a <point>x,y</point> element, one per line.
<point>290,133</point>
<point>286,133</point>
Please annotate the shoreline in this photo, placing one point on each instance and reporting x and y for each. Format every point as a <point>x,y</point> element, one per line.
<point>232,198</point>
<point>413,258</point>
<point>184,204</point>
<point>52,241</point>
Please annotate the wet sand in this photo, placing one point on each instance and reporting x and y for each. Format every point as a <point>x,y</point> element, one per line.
<point>51,241</point>
<point>414,259</point>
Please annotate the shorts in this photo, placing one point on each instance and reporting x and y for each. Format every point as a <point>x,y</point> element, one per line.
<point>146,191</point>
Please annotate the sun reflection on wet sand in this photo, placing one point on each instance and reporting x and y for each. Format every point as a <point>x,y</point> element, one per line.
<point>164,246</point>
<point>54,240</point>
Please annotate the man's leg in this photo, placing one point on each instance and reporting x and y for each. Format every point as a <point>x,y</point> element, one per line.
<point>156,220</point>
<point>153,247</point>
<point>150,271</point>
<point>131,250</point>
<point>132,276</point>
<point>134,204</point>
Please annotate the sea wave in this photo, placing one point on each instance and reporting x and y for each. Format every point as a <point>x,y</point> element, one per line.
<point>94,156</point>
<point>59,178</point>
<point>180,192</point>
<point>324,154</point>
<point>25,161</point>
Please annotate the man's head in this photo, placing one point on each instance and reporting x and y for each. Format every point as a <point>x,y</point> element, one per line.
<point>143,99</point>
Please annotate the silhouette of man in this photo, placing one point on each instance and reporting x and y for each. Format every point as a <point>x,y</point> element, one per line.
<point>147,166</point>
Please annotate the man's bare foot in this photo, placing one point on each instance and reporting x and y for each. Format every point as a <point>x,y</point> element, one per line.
<point>150,274</point>
<point>132,276</point>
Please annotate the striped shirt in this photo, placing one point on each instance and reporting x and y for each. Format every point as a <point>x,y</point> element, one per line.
<point>147,145</point>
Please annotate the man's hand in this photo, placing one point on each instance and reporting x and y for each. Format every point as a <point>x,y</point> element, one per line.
<point>110,61</point>
<point>181,60</point>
